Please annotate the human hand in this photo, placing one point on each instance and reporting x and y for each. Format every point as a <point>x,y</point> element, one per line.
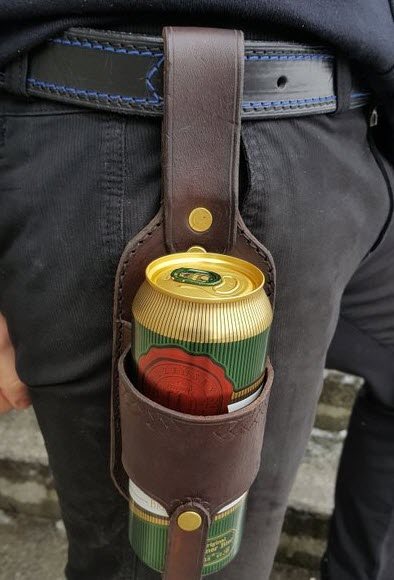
<point>13,393</point>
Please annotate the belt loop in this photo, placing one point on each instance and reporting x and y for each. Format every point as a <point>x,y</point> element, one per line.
<point>15,75</point>
<point>203,82</point>
<point>343,84</point>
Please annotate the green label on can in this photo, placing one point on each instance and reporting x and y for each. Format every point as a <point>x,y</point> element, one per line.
<point>243,361</point>
<point>219,548</point>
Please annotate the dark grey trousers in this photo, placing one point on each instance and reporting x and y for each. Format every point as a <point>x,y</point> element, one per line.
<point>75,185</point>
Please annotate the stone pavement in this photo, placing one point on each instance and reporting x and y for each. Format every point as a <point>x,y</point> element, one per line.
<point>34,549</point>
<point>31,549</point>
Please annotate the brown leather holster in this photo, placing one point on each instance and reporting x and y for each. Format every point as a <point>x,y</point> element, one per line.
<point>184,461</point>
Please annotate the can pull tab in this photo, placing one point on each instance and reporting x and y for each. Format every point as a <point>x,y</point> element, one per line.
<point>196,277</point>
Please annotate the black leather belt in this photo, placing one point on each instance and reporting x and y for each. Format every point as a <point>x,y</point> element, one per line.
<point>123,72</point>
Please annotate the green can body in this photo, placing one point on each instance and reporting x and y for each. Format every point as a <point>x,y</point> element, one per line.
<point>239,365</point>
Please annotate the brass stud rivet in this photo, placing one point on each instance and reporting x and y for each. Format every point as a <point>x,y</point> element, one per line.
<point>189,521</point>
<point>200,219</point>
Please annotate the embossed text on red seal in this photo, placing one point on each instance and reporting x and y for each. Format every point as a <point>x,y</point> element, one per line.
<point>185,382</point>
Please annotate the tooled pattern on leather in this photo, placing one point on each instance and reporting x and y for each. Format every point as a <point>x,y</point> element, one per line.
<point>238,429</point>
<point>189,500</point>
<point>157,422</point>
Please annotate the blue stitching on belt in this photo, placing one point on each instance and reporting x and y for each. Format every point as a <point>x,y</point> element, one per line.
<point>150,74</point>
<point>134,51</point>
<point>289,102</point>
<point>108,48</point>
<point>311,56</point>
<point>297,102</point>
<point>157,100</point>
<point>89,93</point>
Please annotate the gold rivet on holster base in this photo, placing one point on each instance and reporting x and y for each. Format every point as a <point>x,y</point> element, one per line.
<point>200,219</point>
<point>189,521</point>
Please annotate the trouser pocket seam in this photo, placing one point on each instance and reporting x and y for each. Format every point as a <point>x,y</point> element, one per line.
<point>382,168</point>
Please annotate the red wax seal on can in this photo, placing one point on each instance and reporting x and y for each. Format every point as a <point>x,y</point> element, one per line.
<point>185,382</point>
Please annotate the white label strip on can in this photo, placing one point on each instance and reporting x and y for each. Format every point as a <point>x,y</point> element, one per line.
<point>244,402</point>
<point>146,502</point>
<point>152,506</point>
<point>233,503</point>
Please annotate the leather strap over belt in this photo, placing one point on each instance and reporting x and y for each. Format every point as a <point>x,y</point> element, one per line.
<point>123,72</point>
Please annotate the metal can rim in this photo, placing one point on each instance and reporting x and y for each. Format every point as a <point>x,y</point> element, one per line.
<point>205,256</point>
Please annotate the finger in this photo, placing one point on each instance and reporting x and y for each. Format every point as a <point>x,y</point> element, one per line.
<point>12,388</point>
<point>4,336</point>
<point>5,405</point>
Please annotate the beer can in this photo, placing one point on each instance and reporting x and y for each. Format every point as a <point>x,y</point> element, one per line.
<point>201,327</point>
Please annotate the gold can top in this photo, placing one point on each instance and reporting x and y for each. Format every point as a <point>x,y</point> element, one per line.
<point>204,277</point>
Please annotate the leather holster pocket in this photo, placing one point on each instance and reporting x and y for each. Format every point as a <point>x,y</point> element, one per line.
<point>175,457</point>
